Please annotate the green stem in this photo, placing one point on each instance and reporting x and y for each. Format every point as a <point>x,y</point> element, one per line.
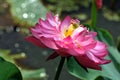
<point>93,14</point>
<point>59,68</point>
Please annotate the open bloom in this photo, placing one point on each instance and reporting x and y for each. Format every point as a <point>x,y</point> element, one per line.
<point>69,38</point>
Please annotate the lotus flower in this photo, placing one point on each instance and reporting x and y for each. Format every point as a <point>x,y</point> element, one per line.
<point>69,38</point>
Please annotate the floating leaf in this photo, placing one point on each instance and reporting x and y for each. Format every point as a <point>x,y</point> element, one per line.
<point>27,12</point>
<point>9,71</point>
<point>27,74</point>
<point>11,57</point>
<point>38,74</point>
<point>110,15</point>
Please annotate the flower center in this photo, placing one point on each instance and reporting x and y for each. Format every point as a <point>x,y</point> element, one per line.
<point>69,31</point>
<point>74,24</point>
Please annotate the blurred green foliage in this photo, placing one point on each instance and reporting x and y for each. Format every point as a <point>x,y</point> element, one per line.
<point>27,13</point>
<point>66,5</point>
<point>111,15</point>
<point>38,74</point>
<point>12,72</point>
<point>9,71</point>
<point>72,7</point>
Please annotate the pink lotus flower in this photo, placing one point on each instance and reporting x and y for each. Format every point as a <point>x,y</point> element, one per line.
<point>69,38</point>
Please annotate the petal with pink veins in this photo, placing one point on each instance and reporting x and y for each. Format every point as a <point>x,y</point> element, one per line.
<point>77,32</point>
<point>46,25</point>
<point>51,19</point>
<point>92,57</point>
<point>92,34</point>
<point>48,42</point>
<point>86,62</point>
<point>100,46</point>
<point>65,24</point>
<point>100,49</point>
<point>35,41</point>
<point>89,43</point>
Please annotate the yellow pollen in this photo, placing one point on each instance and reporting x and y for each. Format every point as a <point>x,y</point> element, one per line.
<point>69,31</point>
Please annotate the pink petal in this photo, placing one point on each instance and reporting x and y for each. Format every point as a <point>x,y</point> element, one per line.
<point>67,47</point>
<point>35,32</point>
<point>57,19</point>
<point>97,59</point>
<point>100,46</point>
<point>88,43</point>
<point>43,33</point>
<point>100,49</point>
<point>39,31</point>
<point>77,32</point>
<point>48,42</point>
<point>106,61</point>
<point>37,26</point>
<point>65,24</point>
<point>76,51</point>
<point>46,24</point>
<point>72,50</point>
<point>65,43</point>
<point>92,34</point>
<point>99,53</point>
<point>93,58</point>
<point>86,62</point>
<point>35,41</point>
<point>63,52</point>
<point>51,19</point>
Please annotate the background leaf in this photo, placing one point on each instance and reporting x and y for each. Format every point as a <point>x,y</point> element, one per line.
<point>27,74</point>
<point>9,71</point>
<point>105,36</point>
<point>27,12</point>
<point>38,74</point>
